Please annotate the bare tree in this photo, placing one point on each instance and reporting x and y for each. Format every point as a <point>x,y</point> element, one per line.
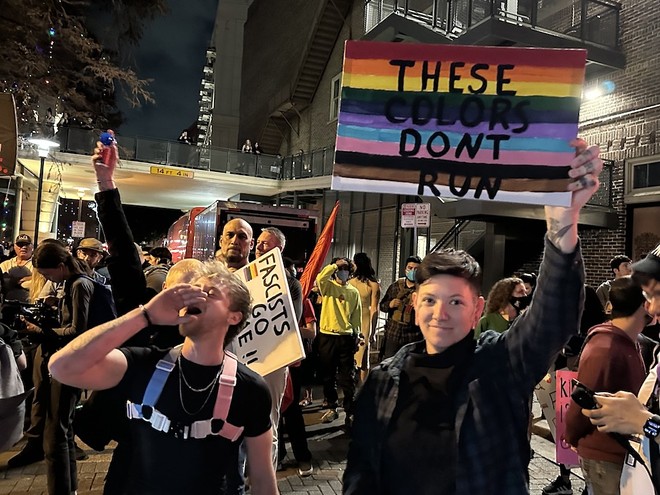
<point>52,55</point>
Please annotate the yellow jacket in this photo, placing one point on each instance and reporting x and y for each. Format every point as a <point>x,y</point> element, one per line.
<point>341,313</point>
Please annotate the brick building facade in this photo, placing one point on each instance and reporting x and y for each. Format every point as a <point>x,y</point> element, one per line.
<point>281,38</point>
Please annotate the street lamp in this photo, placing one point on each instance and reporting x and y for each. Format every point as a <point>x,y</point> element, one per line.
<point>43,147</point>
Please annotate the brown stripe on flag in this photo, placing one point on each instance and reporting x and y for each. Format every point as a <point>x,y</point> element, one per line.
<point>413,176</point>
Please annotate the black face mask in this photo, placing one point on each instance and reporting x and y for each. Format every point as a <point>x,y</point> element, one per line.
<point>520,303</point>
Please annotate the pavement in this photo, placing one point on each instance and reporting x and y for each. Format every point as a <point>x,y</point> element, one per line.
<point>327,442</point>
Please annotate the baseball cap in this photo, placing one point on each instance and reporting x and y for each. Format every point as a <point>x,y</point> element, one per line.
<point>91,243</point>
<point>649,265</point>
<point>23,239</point>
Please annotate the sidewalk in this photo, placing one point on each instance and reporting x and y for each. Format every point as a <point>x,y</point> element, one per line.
<point>327,442</point>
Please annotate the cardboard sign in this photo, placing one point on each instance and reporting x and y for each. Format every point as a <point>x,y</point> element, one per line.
<point>546,392</point>
<point>270,339</point>
<point>490,123</point>
<point>565,454</point>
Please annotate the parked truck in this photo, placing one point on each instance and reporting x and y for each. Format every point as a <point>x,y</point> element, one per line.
<point>205,227</point>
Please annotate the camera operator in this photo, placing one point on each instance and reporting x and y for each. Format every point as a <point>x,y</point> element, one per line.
<point>56,264</point>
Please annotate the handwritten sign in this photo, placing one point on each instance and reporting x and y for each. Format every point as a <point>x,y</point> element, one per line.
<point>270,339</point>
<point>546,391</point>
<point>490,123</point>
<point>173,172</point>
<point>565,455</point>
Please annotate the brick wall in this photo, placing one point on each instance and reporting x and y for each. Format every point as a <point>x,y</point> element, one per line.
<point>620,136</point>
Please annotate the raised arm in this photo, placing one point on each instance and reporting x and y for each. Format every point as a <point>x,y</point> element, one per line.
<point>554,315</point>
<point>127,279</point>
<point>92,361</point>
<point>562,222</point>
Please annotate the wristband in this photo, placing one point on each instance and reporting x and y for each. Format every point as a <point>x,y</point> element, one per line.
<point>652,426</point>
<point>146,315</point>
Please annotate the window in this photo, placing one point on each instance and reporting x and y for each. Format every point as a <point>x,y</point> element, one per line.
<point>335,96</point>
<point>643,179</point>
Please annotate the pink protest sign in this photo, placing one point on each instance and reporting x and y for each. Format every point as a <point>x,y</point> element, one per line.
<point>565,455</point>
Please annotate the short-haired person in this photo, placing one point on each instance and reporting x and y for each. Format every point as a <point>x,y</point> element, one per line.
<point>610,360</point>
<point>400,326</point>
<point>620,266</point>
<point>236,242</point>
<point>177,447</point>
<point>623,412</point>
<point>449,414</point>
<point>16,271</point>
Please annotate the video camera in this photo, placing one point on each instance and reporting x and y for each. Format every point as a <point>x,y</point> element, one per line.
<point>41,314</point>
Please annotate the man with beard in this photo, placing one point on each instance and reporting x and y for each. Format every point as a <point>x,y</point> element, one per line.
<point>189,408</point>
<point>236,243</point>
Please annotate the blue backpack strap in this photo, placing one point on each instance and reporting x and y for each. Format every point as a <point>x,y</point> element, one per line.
<point>163,369</point>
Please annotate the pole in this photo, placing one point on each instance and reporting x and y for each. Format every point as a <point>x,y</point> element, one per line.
<point>80,205</point>
<point>39,191</point>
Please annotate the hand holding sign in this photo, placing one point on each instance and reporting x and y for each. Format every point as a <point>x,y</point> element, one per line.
<point>562,222</point>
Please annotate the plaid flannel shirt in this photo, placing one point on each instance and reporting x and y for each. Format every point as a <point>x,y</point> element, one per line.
<point>493,403</point>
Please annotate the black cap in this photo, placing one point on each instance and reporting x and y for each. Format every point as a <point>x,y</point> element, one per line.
<point>649,265</point>
<point>23,239</point>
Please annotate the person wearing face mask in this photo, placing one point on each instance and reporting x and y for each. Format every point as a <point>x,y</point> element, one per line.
<point>506,300</point>
<point>400,327</point>
<point>339,331</point>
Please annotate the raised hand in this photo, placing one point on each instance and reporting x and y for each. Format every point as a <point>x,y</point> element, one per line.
<point>105,168</point>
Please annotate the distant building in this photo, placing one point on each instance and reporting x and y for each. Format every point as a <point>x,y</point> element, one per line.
<point>290,59</point>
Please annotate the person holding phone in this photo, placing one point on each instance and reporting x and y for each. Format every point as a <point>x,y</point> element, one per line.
<point>623,412</point>
<point>610,361</point>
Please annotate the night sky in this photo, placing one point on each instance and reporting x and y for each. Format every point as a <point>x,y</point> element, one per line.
<point>172,53</point>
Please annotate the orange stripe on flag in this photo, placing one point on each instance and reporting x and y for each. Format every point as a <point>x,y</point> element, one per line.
<point>317,257</point>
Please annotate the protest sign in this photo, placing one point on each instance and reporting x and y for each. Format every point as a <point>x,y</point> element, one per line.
<point>565,455</point>
<point>546,391</point>
<point>270,339</point>
<point>490,123</point>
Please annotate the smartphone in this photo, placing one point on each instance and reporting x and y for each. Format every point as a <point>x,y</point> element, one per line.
<point>583,396</point>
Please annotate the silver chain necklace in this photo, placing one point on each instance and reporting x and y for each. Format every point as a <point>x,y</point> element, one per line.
<point>182,380</point>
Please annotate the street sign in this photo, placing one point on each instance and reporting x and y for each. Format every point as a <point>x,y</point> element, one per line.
<point>423,215</point>
<point>408,215</point>
<point>415,215</point>
<point>172,172</point>
<point>77,229</point>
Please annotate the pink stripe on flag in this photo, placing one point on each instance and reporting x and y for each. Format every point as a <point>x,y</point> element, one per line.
<point>483,156</point>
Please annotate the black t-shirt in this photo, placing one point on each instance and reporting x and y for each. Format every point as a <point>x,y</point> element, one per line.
<point>164,464</point>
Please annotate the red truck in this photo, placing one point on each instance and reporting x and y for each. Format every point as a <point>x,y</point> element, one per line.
<point>196,234</point>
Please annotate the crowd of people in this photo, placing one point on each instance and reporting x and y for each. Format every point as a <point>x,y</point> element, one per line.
<point>441,405</point>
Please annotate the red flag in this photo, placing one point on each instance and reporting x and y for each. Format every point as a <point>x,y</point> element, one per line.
<point>321,249</point>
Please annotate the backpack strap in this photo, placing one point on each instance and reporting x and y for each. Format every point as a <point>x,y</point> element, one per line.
<point>219,424</point>
<point>147,410</point>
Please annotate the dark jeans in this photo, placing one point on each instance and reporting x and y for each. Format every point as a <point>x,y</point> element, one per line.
<point>35,432</point>
<point>57,402</point>
<point>293,421</point>
<point>337,358</point>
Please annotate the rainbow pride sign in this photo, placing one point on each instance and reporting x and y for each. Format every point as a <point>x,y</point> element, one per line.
<point>469,122</point>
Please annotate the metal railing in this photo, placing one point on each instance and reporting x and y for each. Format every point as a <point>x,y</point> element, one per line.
<point>316,163</point>
<point>595,21</point>
<point>163,152</point>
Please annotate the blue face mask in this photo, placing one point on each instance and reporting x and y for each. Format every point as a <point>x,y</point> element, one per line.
<point>410,274</point>
<point>343,275</point>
